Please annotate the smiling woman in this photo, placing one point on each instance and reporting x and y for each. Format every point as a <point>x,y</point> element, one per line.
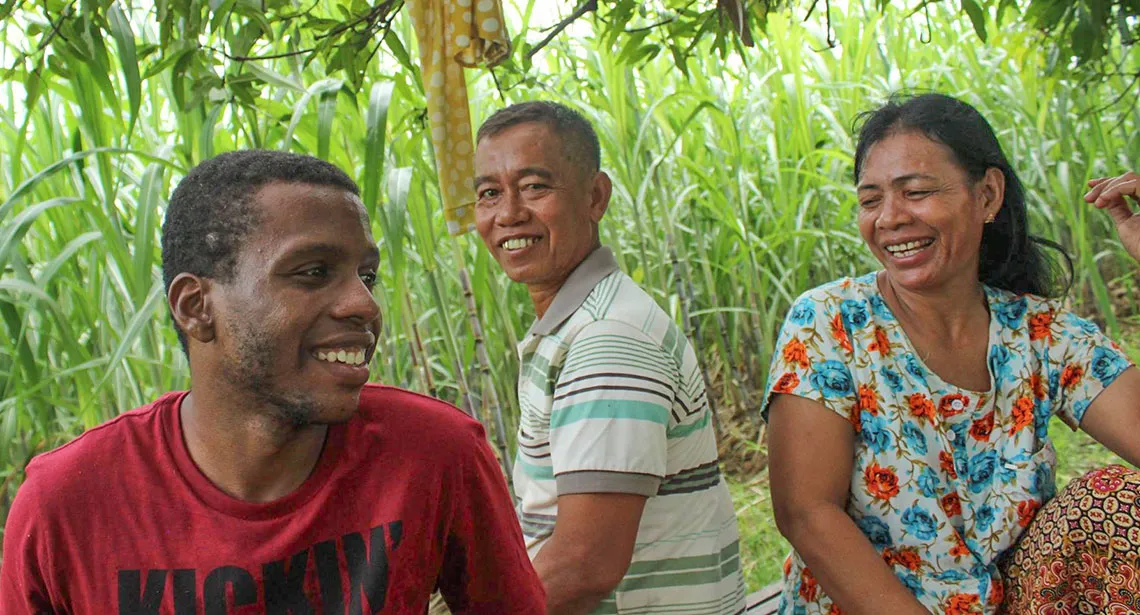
<point>909,408</point>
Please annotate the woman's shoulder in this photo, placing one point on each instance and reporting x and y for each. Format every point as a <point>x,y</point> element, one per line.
<point>1043,316</point>
<point>842,294</point>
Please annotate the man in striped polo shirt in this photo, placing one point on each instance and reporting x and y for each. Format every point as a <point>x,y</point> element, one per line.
<point>621,500</point>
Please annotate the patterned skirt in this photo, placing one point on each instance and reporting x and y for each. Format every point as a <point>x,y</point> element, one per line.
<point>1081,554</point>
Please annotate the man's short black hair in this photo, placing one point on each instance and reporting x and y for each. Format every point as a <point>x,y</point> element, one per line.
<point>209,214</point>
<point>579,140</point>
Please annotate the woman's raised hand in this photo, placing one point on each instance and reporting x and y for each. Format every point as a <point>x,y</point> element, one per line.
<point>1111,194</point>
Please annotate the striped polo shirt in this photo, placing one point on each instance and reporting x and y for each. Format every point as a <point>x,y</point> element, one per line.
<point>613,401</point>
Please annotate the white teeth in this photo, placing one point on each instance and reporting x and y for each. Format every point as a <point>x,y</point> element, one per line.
<point>519,242</point>
<point>352,356</point>
<point>909,248</point>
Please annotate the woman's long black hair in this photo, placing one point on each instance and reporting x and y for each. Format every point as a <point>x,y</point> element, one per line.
<point>1011,258</point>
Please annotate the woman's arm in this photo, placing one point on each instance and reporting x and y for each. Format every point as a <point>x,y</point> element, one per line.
<point>1113,419</point>
<point>812,452</point>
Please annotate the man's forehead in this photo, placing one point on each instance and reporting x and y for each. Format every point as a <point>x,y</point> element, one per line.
<point>293,208</point>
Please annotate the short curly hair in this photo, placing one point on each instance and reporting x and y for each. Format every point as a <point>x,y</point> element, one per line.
<point>209,214</point>
<point>579,140</point>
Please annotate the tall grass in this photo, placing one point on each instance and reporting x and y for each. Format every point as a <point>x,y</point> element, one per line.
<point>732,195</point>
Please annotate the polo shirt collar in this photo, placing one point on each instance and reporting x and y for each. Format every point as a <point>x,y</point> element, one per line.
<point>581,282</point>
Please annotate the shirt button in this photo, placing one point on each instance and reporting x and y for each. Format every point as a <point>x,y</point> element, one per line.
<point>957,404</point>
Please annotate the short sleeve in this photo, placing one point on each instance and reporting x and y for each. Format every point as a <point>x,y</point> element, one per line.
<point>812,358</point>
<point>1082,362</point>
<point>612,404</point>
<point>486,570</point>
<point>23,584</point>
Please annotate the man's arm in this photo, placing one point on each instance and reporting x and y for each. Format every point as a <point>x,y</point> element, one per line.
<point>23,590</point>
<point>486,569</point>
<point>590,550</point>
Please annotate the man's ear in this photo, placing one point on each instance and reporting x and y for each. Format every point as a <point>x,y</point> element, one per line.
<point>600,190</point>
<point>191,307</point>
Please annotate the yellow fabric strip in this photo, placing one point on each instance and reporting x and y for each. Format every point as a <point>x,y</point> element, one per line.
<point>454,34</point>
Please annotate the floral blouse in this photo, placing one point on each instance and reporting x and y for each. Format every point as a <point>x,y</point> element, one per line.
<point>945,478</point>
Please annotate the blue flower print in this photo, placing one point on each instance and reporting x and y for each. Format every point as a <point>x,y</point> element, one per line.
<point>920,523</point>
<point>879,307</point>
<point>1079,409</point>
<point>1042,411</point>
<point>892,378</point>
<point>833,379</point>
<point>958,431</point>
<point>803,312</point>
<point>1000,356</point>
<point>984,517</point>
<point>875,530</point>
<point>914,437</point>
<point>854,314</point>
<point>1010,313</point>
<point>982,466</point>
<point>875,433</point>
<point>1086,326</point>
<point>914,368</point>
<point>928,482</point>
<point>1044,483</point>
<point>912,583</point>
<point>1107,364</point>
<point>951,575</point>
<point>1054,383</point>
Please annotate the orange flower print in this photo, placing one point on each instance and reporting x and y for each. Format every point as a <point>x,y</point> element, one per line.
<point>809,588</point>
<point>907,557</point>
<point>882,343</point>
<point>1040,326</point>
<point>834,610</point>
<point>951,504</point>
<point>997,591</point>
<point>787,383</point>
<point>980,430</point>
<point>947,464</point>
<point>953,404</point>
<point>1022,414</point>
<point>795,353</point>
<point>963,604</point>
<point>787,565</point>
<point>840,334</point>
<point>882,483</point>
<point>959,549</point>
<point>1026,510</point>
<point>868,400</point>
<point>921,407</point>
<point>1072,375</point>
<point>1037,383</point>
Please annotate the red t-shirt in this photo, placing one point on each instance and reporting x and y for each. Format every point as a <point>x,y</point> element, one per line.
<point>405,498</point>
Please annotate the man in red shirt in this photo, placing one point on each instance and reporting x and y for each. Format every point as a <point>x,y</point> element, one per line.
<point>281,482</point>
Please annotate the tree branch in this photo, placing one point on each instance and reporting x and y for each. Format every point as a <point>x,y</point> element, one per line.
<point>585,7</point>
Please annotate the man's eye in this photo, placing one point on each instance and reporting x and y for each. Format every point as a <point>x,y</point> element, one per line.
<point>488,193</point>
<point>318,272</point>
<point>536,187</point>
<point>919,194</point>
<point>868,202</point>
<point>369,279</point>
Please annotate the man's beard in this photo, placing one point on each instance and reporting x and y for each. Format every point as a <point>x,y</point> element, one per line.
<point>251,370</point>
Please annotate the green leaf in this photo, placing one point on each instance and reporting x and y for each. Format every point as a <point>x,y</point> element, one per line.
<point>375,136</point>
<point>125,41</point>
<point>977,17</point>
